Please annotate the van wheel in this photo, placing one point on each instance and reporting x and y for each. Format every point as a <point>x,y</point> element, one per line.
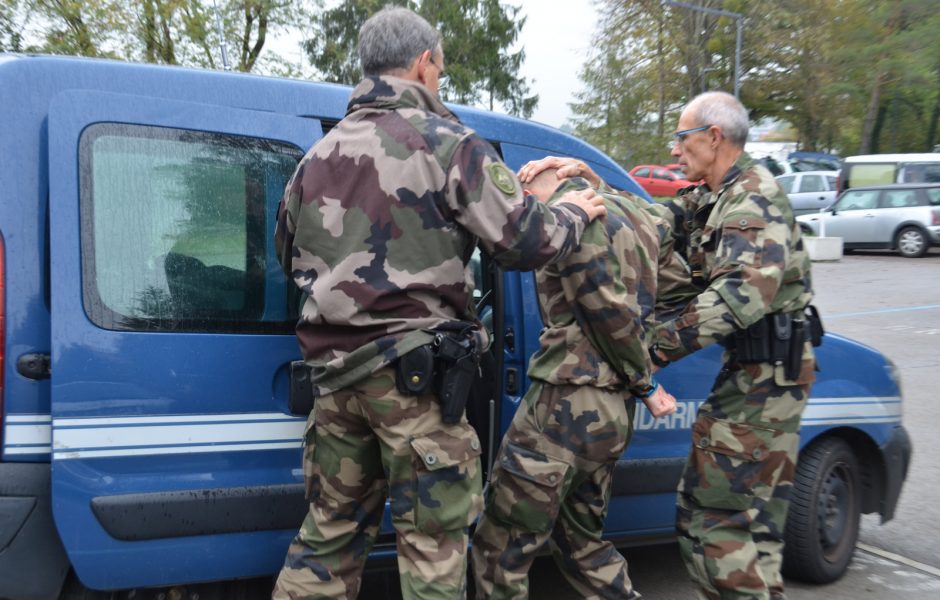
<point>911,242</point>
<point>825,509</point>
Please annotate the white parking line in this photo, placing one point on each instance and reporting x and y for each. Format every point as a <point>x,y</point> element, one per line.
<point>899,559</point>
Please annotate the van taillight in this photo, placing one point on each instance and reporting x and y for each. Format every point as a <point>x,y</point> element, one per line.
<point>935,219</point>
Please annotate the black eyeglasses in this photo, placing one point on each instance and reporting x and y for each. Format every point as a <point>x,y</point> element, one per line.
<point>679,136</point>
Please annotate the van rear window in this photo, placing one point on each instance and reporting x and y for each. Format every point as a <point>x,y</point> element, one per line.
<point>176,229</point>
<point>871,174</point>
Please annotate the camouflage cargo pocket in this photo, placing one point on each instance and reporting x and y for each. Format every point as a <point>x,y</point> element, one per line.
<point>447,478</point>
<point>526,488</point>
<point>727,464</point>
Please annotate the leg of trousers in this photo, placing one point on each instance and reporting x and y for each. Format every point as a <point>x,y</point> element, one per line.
<point>368,442</point>
<point>734,494</point>
<point>551,483</point>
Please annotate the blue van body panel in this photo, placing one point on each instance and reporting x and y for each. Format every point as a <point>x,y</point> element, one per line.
<point>194,428</point>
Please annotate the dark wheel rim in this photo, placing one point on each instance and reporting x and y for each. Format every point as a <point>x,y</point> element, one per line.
<point>911,242</point>
<point>836,503</point>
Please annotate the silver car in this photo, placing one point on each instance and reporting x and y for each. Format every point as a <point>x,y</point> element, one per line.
<point>902,217</point>
<point>809,191</point>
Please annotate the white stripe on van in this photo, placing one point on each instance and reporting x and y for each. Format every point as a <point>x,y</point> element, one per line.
<point>72,438</point>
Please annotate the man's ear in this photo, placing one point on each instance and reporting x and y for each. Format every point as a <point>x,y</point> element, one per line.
<point>421,66</point>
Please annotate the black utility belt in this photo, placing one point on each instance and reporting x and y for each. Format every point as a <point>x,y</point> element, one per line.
<point>778,339</point>
<point>447,367</point>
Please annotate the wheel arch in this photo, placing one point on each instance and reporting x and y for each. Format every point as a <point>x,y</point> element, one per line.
<point>871,463</point>
<point>902,226</point>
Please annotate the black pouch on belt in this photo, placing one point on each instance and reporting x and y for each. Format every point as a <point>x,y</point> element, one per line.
<point>816,329</point>
<point>414,372</point>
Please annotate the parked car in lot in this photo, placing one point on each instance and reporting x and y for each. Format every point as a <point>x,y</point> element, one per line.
<point>658,180</point>
<point>809,191</point>
<point>882,169</point>
<point>902,217</point>
<point>146,336</point>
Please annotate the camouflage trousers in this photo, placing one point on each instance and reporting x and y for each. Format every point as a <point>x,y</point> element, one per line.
<point>551,482</point>
<point>734,494</point>
<point>363,444</point>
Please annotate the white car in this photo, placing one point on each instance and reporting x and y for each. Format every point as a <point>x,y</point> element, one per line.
<point>809,191</point>
<point>901,216</point>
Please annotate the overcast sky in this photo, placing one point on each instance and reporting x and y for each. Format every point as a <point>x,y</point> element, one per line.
<point>557,39</point>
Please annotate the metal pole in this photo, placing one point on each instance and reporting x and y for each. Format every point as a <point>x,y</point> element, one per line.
<point>737,59</point>
<point>738,17</point>
<point>218,23</point>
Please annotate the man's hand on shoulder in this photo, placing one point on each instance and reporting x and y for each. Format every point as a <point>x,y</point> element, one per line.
<point>588,201</point>
<point>660,403</point>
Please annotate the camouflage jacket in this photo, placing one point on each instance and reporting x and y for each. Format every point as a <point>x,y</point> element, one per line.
<point>746,255</point>
<point>598,304</point>
<point>380,219</point>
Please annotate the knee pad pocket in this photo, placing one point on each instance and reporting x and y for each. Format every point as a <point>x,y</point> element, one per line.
<point>730,464</point>
<point>447,479</point>
<point>527,488</point>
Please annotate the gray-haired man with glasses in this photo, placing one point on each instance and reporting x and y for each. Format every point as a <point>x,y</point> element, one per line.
<point>737,232</point>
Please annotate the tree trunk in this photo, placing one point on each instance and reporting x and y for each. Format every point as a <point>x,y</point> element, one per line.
<point>932,141</point>
<point>871,114</point>
<point>661,126</point>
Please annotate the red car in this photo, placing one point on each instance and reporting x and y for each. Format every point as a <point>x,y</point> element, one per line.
<point>658,180</point>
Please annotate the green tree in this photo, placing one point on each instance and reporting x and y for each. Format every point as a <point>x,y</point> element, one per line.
<point>176,32</point>
<point>477,36</point>
<point>631,89</point>
<point>10,37</point>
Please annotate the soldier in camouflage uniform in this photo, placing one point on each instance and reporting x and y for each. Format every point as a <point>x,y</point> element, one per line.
<point>738,234</point>
<point>746,255</point>
<point>552,478</point>
<point>377,227</point>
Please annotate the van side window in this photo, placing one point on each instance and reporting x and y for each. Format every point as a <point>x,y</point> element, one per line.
<point>177,228</point>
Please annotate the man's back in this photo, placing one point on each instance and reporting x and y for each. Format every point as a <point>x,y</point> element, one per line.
<point>598,302</point>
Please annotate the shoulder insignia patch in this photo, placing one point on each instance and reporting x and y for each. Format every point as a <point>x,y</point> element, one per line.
<point>502,178</point>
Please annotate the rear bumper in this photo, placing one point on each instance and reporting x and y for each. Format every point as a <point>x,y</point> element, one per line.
<point>897,456</point>
<point>33,563</point>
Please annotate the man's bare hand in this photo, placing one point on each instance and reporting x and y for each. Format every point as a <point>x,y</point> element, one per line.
<point>567,167</point>
<point>660,403</point>
<point>588,201</point>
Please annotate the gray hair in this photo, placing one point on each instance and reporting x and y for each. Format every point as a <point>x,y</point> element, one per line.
<point>392,38</point>
<point>724,110</point>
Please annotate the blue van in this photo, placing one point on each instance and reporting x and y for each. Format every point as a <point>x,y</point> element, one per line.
<point>147,333</point>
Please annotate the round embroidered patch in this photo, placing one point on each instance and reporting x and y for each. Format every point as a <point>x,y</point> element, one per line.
<point>502,178</point>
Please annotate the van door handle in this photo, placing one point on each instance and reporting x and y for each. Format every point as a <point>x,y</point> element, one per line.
<point>35,365</point>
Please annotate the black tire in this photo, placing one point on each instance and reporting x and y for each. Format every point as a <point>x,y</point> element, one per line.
<point>825,508</point>
<point>911,242</point>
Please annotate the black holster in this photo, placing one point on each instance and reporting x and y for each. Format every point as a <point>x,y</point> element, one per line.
<point>449,364</point>
<point>777,339</point>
